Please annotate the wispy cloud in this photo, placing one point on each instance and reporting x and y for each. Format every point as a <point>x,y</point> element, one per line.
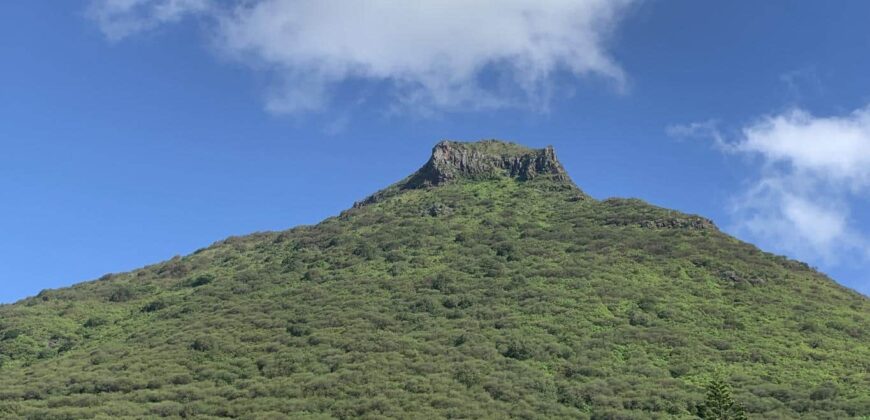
<point>802,83</point>
<point>430,54</point>
<point>119,19</point>
<point>704,129</point>
<point>812,168</point>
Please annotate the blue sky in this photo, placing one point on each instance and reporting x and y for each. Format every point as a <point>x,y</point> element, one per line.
<point>135,130</point>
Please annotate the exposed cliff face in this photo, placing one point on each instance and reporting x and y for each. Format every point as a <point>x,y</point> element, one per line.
<point>452,161</point>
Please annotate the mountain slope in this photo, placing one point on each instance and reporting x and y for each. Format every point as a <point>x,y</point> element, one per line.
<point>485,285</point>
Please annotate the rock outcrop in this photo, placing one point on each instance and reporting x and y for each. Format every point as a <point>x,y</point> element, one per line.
<point>487,159</point>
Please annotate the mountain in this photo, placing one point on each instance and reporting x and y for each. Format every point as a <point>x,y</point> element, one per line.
<point>484,285</point>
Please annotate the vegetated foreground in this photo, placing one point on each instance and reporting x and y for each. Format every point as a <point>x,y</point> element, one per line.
<point>486,285</point>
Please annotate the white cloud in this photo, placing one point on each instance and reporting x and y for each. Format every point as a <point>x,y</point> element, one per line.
<point>813,170</point>
<point>427,53</point>
<point>831,148</point>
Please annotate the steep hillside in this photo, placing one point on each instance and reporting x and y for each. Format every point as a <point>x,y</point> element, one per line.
<point>485,285</point>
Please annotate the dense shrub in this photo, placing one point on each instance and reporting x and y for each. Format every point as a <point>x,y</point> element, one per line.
<point>121,293</point>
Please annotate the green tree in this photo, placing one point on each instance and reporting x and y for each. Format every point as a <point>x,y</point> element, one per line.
<point>719,405</point>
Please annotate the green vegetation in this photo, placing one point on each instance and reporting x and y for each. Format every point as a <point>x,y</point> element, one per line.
<point>475,299</point>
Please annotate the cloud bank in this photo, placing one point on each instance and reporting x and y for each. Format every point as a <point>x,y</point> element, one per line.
<point>427,54</point>
<point>813,171</point>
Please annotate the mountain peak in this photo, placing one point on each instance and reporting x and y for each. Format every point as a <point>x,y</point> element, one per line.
<point>479,160</point>
<point>491,290</point>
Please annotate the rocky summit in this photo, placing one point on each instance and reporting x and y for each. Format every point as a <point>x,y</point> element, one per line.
<point>484,285</point>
